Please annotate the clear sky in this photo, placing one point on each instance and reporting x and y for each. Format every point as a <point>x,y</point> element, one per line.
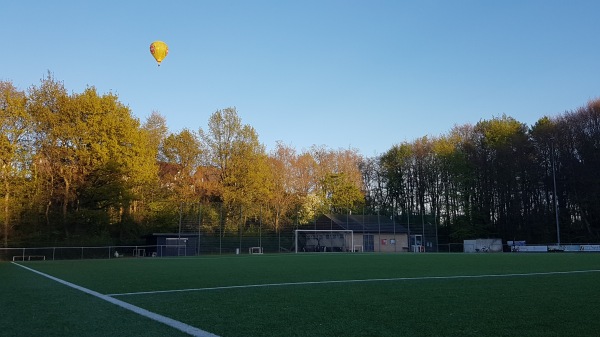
<point>345,74</point>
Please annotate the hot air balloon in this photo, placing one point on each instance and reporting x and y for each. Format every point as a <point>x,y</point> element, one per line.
<point>159,50</point>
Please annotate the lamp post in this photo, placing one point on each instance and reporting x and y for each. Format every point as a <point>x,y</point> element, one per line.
<point>555,198</point>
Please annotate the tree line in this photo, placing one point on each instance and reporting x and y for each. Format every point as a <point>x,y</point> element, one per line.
<point>500,178</point>
<point>80,168</point>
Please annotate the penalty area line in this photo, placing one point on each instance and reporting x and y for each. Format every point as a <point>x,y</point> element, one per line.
<point>418,278</point>
<point>190,330</point>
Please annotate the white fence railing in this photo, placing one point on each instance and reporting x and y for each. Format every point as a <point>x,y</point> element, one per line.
<point>102,252</point>
<point>112,252</point>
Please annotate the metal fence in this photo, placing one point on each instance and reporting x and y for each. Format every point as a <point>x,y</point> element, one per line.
<point>211,245</point>
<point>530,248</point>
<point>202,245</point>
<point>70,253</point>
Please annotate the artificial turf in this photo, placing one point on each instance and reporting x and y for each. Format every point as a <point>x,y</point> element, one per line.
<point>331,294</point>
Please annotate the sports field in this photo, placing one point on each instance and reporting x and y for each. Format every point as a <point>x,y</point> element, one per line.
<point>305,295</point>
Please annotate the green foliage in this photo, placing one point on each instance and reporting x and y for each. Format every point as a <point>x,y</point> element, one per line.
<point>496,178</point>
<point>234,149</point>
<point>89,158</point>
<point>341,194</point>
<point>79,164</point>
<point>156,129</point>
<point>15,135</point>
<point>182,150</point>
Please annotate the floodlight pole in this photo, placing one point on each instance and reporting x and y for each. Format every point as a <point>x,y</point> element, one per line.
<point>199,223</point>
<point>179,233</point>
<point>180,219</point>
<point>260,229</point>
<point>555,198</point>
<point>409,244</point>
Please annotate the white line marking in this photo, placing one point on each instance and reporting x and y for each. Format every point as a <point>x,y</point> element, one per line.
<point>354,281</point>
<point>154,316</point>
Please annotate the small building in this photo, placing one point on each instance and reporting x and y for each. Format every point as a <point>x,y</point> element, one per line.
<point>371,233</point>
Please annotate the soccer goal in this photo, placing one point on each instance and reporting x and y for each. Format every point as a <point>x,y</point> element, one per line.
<point>255,250</point>
<point>312,240</point>
<point>29,258</point>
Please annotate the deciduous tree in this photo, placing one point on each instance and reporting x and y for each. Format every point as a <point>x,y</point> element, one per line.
<point>15,154</point>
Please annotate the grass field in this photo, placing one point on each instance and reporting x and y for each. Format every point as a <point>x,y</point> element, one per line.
<point>310,295</point>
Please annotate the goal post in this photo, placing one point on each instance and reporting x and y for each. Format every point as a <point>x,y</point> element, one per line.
<point>139,252</point>
<point>255,250</point>
<point>323,240</point>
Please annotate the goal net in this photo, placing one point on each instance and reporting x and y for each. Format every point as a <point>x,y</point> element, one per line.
<point>255,250</point>
<point>310,240</point>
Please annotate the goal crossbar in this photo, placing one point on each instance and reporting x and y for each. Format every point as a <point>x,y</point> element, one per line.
<point>255,250</point>
<point>329,242</point>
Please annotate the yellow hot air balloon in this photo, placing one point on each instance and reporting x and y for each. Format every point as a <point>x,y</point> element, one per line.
<point>159,50</point>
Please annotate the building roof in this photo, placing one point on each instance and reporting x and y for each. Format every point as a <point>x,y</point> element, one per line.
<point>359,223</point>
<point>174,235</point>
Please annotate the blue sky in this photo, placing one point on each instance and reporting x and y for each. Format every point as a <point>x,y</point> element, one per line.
<point>344,74</point>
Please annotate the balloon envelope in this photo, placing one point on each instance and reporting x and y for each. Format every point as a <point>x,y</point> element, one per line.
<point>159,50</point>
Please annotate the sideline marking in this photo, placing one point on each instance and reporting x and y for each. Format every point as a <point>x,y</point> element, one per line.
<point>354,281</point>
<point>143,312</point>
